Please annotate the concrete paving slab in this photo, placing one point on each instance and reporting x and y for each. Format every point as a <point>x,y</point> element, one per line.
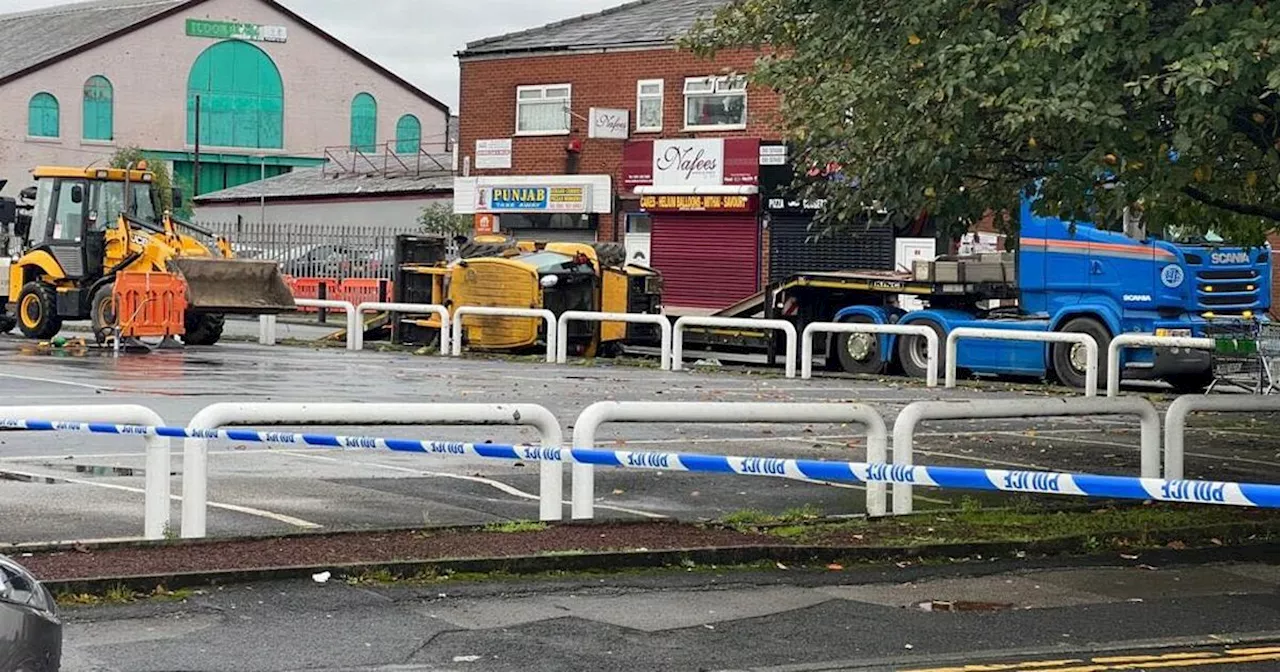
<point>1016,592</point>
<point>676,610</point>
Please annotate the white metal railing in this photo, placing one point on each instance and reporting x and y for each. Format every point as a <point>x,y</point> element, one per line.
<point>195,475</point>
<point>691,321</point>
<point>1175,423</point>
<point>1089,343</point>
<point>930,336</point>
<point>1119,343</point>
<point>412,308</point>
<point>488,311</point>
<point>587,424</point>
<point>562,337</point>
<point>156,476</point>
<point>353,319</point>
<point>904,428</point>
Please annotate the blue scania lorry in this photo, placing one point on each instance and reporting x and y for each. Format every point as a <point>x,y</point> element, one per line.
<point>1064,276</point>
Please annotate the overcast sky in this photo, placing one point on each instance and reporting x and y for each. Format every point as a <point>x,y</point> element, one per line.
<point>416,39</point>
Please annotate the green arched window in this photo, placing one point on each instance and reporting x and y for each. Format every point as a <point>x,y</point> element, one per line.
<point>241,98</point>
<point>99,101</point>
<point>42,116</point>
<point>408,135</point>
<point>364,123</point>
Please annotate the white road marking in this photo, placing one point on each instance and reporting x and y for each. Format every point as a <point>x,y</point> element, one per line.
<point>55,381</point>
<point>499,485</point>
<point>278,517</point>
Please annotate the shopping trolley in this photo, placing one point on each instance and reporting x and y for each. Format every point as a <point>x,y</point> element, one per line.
<point>1245,355</point>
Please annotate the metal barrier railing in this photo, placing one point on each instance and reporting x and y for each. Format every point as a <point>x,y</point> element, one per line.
<point>691,321</point>
<point>562,337</point>
<point>1119,343</point>
<point>157,466</point>
<point>409,308</point>
<point>487,311</point>
<point>1090,344</point>
<point>1256,495</point>
<point>904,428</point>
<point>195,480</point>
<point>930,336</point>
<point>1175,423</point>
<point>585,427</point>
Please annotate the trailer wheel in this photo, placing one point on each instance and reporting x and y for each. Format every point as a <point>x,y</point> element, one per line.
<point>38,311</point>
<point>860,353</point>
<point>913,353</point>
<point>1193,383</point>
<point>1070,360</point>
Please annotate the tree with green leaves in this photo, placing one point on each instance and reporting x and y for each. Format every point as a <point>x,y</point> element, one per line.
<point>440,219</point>
<point>162,181</point>
<point>1167,108</point>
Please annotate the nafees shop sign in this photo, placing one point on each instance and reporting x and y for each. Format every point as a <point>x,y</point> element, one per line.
<point>698,162</point>
<point>697,203</point>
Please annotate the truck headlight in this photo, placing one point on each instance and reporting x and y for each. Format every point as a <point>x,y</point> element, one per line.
<point>549,281</point>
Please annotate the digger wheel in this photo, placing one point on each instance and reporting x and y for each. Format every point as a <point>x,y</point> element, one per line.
<point>474,250</point>
<point>611,255</point>
<point>203,329</point>
<point>103,313</point>
<point>38,311</point>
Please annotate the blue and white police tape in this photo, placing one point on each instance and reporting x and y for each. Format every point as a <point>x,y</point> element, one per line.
<point>1256,495</point>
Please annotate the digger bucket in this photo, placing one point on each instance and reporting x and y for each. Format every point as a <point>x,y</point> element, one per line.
<point>234,286</point>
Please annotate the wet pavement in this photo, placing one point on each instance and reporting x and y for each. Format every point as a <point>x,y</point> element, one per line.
<point>90,487</point>
<point>1005,616</point>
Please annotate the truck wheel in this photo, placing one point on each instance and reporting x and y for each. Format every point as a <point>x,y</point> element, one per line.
<point>102,311</point>
<point>611,255</point>
<point>1070,360</point>
<point>203,329</point>
<point>1194,383</point>
<point>913,353</point>
<point>38,311</point>
<point>474,250</point>
<point>860,353</point>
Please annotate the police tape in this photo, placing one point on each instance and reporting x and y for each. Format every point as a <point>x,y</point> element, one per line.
<point>1258,495</point>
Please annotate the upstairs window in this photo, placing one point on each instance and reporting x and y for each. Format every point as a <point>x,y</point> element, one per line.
<point>42,116</point>
<point>364,123</point>
<point>543,110</point>
<point>408,135</point>
<point>99,98</point>
<point>649,105</point>
<point>715,103</point>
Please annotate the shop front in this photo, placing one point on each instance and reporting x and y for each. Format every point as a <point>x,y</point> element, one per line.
<point>552,208</point>
<point>701,198</point>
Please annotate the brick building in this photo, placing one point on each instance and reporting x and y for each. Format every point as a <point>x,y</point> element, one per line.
<point>600,128</point>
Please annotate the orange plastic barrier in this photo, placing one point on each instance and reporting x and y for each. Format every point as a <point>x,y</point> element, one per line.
<point>309,288</point>
<point>150,304</point>
<point>364,290</point>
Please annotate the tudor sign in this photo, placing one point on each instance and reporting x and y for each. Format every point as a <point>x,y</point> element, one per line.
<point>698,163</point>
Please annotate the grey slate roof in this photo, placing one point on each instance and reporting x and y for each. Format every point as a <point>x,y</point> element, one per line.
<point>28,39</point>
<point>641,22</point>
<point>315,183</point>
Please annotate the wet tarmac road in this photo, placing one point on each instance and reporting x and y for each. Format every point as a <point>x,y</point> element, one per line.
<point>78,487</point>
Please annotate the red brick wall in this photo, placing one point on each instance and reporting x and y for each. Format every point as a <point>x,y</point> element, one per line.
<point>488,107</point>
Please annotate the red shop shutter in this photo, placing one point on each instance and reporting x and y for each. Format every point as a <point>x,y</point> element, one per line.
<point>707,261</point>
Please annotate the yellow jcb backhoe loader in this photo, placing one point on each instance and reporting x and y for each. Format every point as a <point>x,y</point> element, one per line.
<point>88,224</point>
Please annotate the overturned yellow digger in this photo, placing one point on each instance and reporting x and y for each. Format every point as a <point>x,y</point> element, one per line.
<point>86,226</point>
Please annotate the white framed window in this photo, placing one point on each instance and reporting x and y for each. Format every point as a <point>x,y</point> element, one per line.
<point>649,99</point>
<point>543,109</point>
<point>715,103</point>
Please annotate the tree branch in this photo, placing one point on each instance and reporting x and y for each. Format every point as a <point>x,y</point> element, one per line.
<point>1266,212</point>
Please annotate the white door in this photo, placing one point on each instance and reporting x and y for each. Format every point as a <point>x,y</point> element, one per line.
<point>638,239</point>
<point>908,251</point>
